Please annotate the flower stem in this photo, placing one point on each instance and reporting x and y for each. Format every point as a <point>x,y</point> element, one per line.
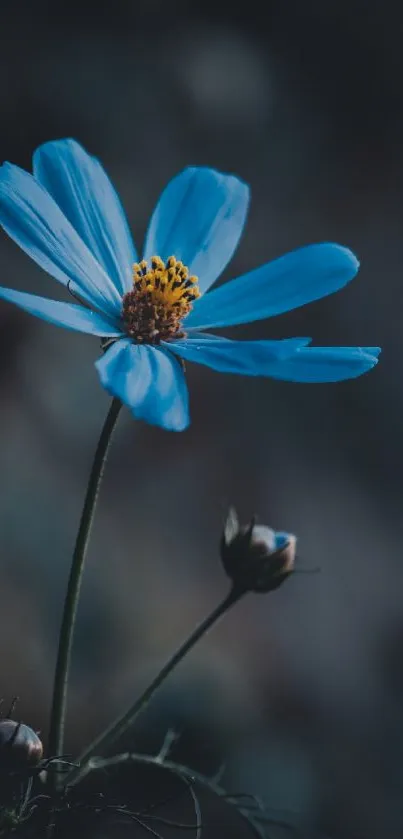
<point>59,700</point>
<point>122,723</point>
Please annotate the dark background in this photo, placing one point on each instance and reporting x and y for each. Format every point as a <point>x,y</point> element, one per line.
<point>300,692</point>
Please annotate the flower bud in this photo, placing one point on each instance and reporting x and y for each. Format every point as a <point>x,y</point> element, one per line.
<point>255,557</point>
<point>20,746</point>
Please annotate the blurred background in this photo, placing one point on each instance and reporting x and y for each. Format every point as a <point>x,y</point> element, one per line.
<point>299,693</point>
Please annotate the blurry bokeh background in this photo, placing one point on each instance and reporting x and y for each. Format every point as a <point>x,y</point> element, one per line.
<point>300,692</point>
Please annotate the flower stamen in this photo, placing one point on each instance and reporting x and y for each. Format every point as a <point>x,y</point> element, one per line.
<point>162,295</point>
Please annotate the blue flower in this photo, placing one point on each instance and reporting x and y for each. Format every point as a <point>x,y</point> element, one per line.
<point>152,315</point>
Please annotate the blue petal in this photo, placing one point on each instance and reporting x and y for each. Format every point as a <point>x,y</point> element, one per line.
<point>199,219</point>
<point>250,358</point>
<point>325,364</point>
<point>62,314</point>
<point>289,359</point>
<point>282,539</point>
<point>297,278</point>
<point>31,217</point>
<point>149,380</point>
<point>81,188</point>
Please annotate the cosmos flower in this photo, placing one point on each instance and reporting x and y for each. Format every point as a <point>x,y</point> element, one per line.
<point>152,314</point>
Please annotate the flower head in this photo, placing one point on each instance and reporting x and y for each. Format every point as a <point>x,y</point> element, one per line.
<point>161,297</point>
<point>153,313</point>
<point>255,557</point>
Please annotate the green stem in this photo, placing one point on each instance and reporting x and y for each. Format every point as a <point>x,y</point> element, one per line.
<point>120,726</point>
<point>59,700</point>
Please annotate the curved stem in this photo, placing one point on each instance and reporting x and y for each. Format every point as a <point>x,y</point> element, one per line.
<point>122,723</point>
<point>59,700</point>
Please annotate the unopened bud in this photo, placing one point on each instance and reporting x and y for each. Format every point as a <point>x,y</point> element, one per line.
<point>20,746</point>
<point>255,557</point>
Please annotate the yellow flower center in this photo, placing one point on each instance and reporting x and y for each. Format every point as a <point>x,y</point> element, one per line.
<point>162,295</point>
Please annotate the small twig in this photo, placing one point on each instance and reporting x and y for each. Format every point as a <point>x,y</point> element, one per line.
<point>169,739</point>
<point>12,706</point>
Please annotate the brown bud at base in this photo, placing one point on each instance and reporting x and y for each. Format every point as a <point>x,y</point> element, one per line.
<point>255,557</point>
<point>20,746</point>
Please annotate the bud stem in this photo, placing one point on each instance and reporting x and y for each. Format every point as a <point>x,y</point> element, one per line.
<point>122,723</point>
<point>59,699</point>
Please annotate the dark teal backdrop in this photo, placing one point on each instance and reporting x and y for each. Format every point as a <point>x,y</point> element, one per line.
<point>301,692</point>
